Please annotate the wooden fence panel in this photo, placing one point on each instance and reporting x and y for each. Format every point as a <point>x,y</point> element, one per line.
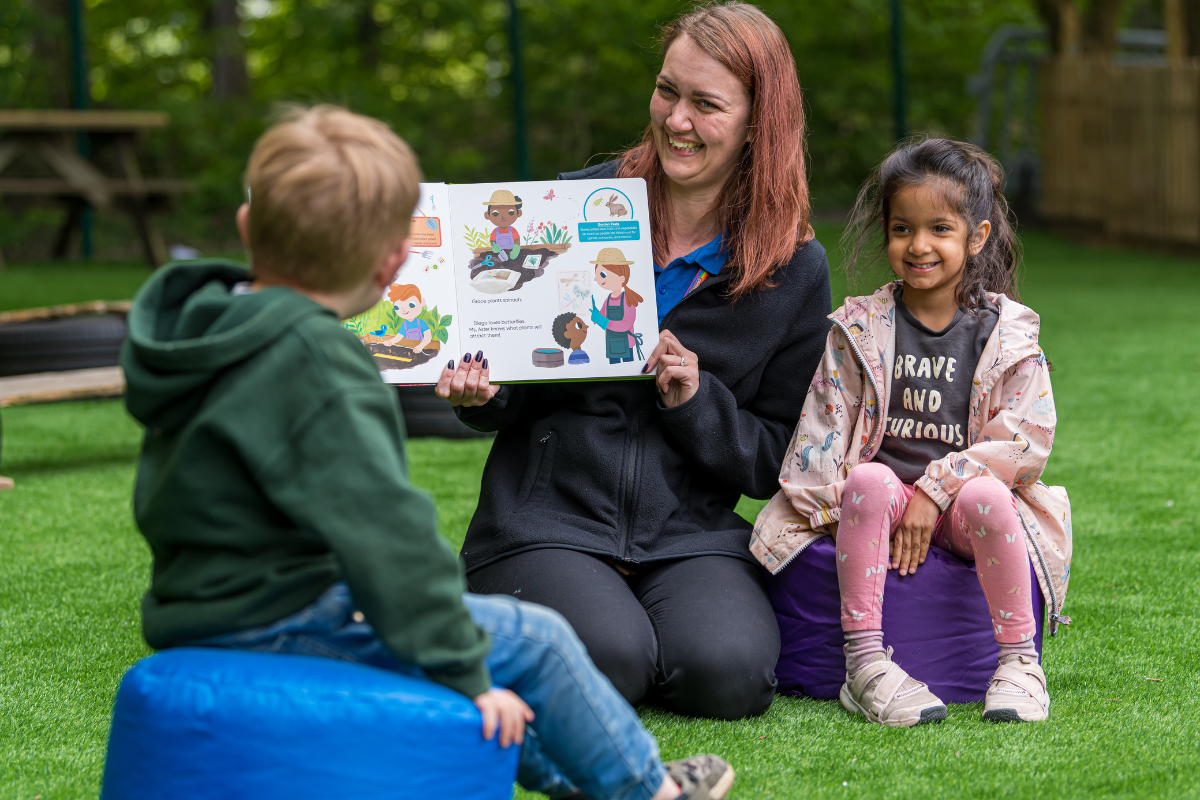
<point>1121,147</point>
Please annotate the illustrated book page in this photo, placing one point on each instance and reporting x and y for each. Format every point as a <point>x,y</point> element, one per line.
<point>550,280</point>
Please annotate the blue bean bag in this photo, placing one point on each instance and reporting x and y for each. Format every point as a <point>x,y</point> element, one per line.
<point>936,619</point>
<point>203,724</point>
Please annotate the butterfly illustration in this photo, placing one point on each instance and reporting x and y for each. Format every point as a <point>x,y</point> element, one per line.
<point>873,543</point>
<point>841,556</point>
<point>1006,616</point>
<point>852,522</point>
<point>887,481</point>
<point>992,561</point>
<point>1014,590</point>
<point>549,196</point>
<point>997,630</point>
<point>873,571</point>
<point>1010,538</point>
<point>855,497</point>
<point>983,509</point>
<point>857,614</point>
<point>981,532</point>
<point>1024,637</point>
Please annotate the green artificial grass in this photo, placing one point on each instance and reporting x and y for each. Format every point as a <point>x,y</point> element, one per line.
<point>1123,332</point>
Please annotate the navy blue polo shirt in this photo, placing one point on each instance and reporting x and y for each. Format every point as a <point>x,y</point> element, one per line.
<point>672,282</point>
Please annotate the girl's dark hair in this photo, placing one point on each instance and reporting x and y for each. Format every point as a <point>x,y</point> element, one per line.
<point>973,188</point>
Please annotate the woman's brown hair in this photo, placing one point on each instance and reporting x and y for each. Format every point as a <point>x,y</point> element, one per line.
<point>766,206</point>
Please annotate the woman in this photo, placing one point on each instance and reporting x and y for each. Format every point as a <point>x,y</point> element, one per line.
<point>613,502</point>
<point>620,307</point>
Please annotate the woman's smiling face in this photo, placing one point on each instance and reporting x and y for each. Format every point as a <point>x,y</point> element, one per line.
<point>700,117</point>
<point>609,279</point>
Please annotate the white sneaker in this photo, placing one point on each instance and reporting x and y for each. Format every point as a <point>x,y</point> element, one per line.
<point>1018,692</point>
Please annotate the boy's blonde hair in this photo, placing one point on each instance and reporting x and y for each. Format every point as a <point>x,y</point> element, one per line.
<point>330,193</point>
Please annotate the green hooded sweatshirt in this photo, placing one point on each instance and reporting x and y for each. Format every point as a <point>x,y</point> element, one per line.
<point>273,466</point>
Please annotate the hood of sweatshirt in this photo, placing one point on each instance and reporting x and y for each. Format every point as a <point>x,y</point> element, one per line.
<point>188,326</point>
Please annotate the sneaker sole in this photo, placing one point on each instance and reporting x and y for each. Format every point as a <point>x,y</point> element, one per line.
<point>722,786</point>
<point>1008,715</point>
<point>931,714</point>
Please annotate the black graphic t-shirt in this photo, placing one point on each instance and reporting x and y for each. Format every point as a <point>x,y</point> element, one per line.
<point>931,389</point>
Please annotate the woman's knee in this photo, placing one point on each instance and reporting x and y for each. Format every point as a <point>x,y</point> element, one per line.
<point>730,685</point>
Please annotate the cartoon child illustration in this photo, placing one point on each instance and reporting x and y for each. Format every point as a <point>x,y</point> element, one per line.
<point>620,308</point>
<point>503,210</point>
<point>407,301</point>
<point>570,331</point>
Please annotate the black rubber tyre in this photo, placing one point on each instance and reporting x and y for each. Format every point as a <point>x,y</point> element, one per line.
<point>426,414</point>
<point>54,345</point>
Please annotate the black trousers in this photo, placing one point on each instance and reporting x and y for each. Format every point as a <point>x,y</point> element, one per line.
<point>696,635</point>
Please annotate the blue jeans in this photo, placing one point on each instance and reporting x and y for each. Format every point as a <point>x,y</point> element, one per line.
<point>585,736</point>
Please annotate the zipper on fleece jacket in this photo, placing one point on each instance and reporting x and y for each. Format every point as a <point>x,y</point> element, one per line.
<point>632,452</point>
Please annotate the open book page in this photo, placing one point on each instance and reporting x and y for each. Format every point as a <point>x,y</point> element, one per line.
<point>413,331</point>
<point>555,279</point>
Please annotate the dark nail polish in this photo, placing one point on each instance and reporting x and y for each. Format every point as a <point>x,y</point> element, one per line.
<point>645,368</point>
<point>485,363</point>
<point>450,366</point>
<point>479,356</point>
<point>466,358</point>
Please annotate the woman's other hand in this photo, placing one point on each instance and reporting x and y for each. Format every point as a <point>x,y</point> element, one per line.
<point>678,370</point>
<point>467,384</point>
<point>910,540</point>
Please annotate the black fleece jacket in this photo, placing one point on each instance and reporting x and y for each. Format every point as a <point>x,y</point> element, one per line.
<point>605,468</point>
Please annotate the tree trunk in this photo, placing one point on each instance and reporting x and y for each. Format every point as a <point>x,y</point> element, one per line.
<point>51,44</point>
<point>1100,26</point>
<point>1191,26</point>
<point>229,77</point>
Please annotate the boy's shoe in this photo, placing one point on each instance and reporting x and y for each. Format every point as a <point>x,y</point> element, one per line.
<point>1018,692</point>
<point>701,777</point>
<point>884,693</point>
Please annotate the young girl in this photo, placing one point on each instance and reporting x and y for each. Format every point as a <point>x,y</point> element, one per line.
<point>929,422</point>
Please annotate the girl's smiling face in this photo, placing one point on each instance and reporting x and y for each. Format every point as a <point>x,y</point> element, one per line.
<point>608,279</point>
<point>927,242</point>
<point>409,308</point>
<point>699,115</point>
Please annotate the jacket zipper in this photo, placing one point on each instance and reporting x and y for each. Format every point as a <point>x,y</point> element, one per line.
<point>631,458</point>
<point>1054,617</point>
<point>870,377</point>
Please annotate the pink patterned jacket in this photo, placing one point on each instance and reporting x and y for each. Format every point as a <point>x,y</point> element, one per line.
<point>1010,434</point>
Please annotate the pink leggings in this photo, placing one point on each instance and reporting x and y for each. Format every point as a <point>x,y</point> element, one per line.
<point>982,524</point>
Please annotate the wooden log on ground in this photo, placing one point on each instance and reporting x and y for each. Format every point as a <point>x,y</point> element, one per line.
<point>49,387</point>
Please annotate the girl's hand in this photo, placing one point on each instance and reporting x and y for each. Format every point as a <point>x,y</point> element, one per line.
<point>468,384</point>
<point>505,711</point>
<point>910,540</point>
<point>678,370</point>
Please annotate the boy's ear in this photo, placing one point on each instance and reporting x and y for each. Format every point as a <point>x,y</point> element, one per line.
<point>979,237</point>
<point>243,224</point>
<point>520,213</point>
<point>389,266</point>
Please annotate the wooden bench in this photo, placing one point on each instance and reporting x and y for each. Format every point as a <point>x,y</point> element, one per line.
<point>49,387</point>
<point>51,142</point>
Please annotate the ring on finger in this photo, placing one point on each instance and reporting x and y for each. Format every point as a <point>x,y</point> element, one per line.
<point>682,361</point>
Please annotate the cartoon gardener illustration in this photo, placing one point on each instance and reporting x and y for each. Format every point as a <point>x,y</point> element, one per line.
<point>570,331</point>
<point>503,210</point>
<point>407,301</point>
<point>620,308</point>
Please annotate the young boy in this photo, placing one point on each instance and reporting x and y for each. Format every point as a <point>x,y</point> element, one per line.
<point>272,486</point>
<point>408,304</point>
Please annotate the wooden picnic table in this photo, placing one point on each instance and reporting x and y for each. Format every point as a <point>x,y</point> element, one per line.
<point>45,146</point>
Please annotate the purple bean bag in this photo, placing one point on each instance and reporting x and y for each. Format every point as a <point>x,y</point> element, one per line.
<point>936,620</point>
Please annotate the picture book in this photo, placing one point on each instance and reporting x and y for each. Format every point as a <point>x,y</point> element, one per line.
<point>552,280</point>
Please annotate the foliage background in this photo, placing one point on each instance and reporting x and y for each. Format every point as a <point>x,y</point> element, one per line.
<point>437,71</point>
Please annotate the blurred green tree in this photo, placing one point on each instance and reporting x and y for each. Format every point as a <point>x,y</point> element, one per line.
<point>436,70</point>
